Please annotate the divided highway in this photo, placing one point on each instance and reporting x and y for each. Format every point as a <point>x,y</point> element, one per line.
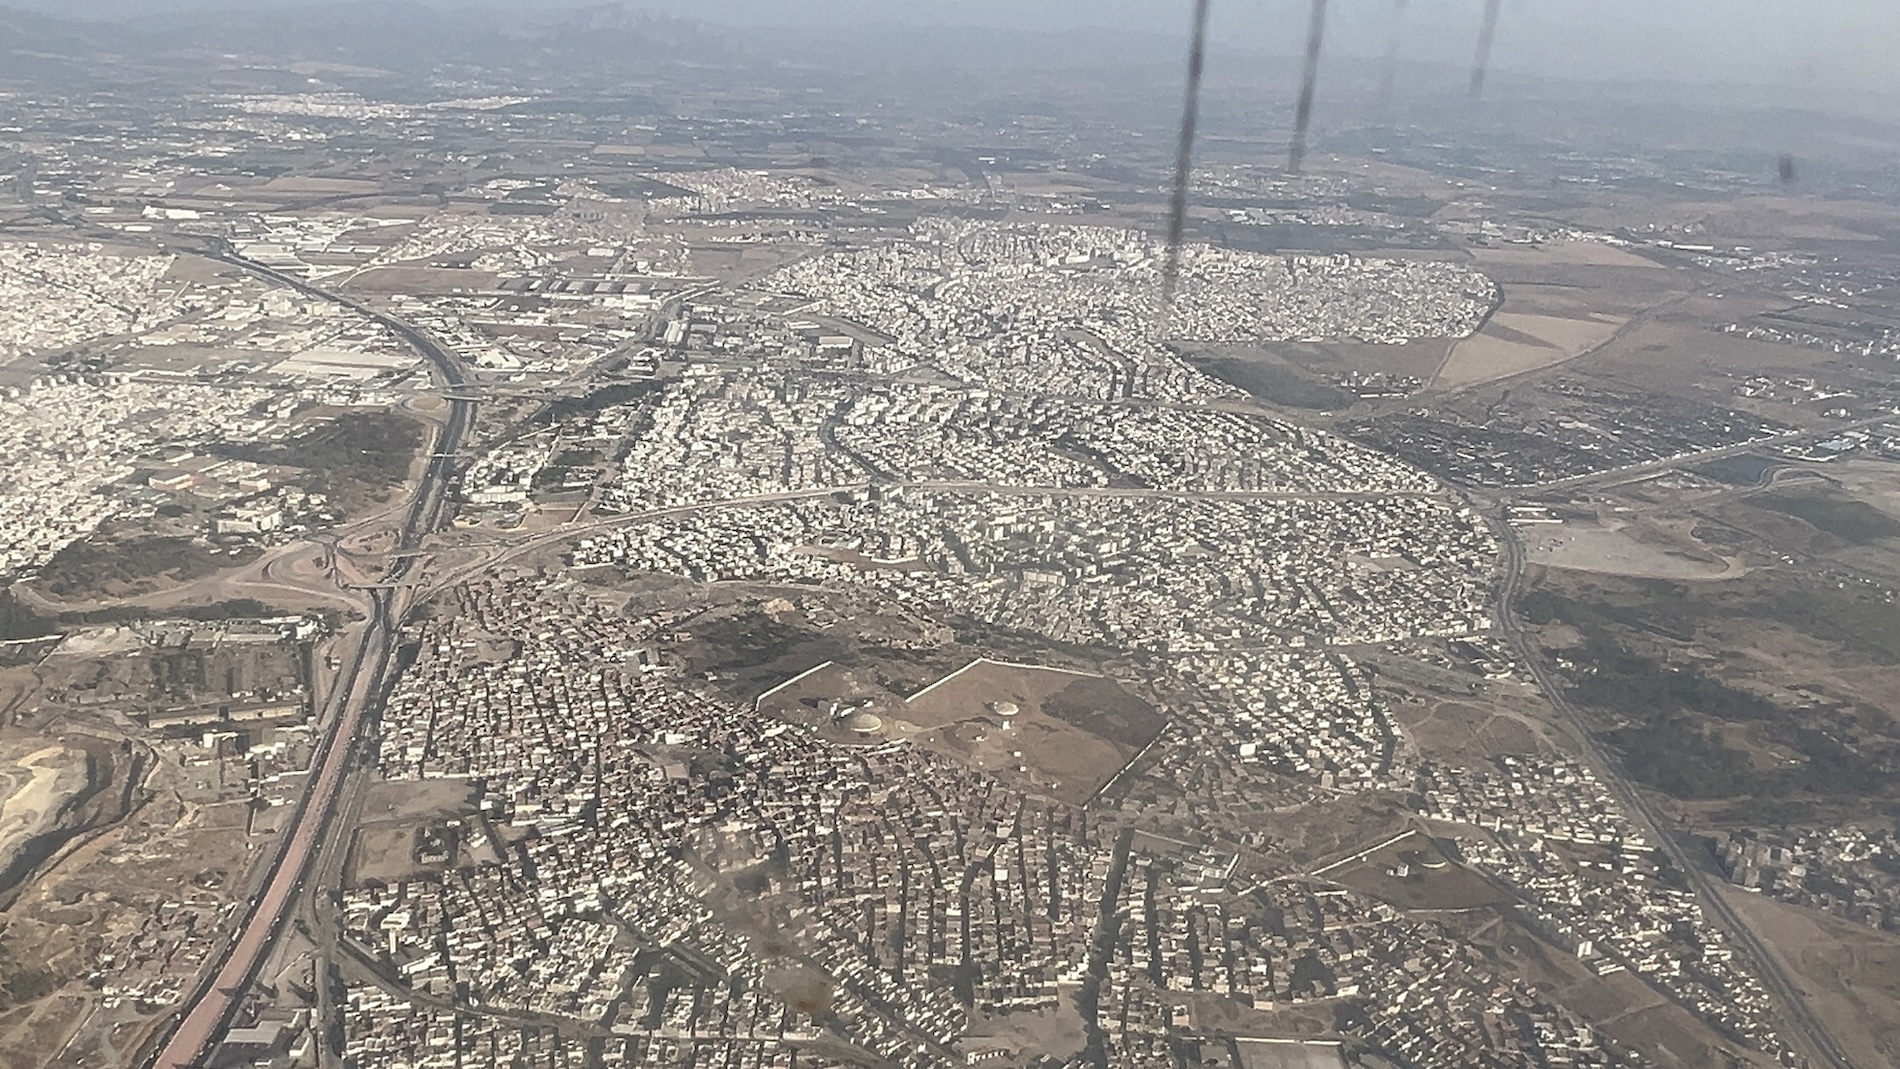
<point>1808,1032</point>
<point>209,1009</point>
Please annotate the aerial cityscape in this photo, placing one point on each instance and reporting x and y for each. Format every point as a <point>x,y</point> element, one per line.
<point>587,537</point>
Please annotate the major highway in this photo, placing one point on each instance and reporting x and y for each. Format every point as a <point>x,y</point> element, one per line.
<point>1807,1032</point>
<point>209,1009</point>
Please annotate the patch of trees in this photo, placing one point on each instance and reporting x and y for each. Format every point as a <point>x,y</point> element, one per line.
<point>19,623</point>
<point>1679,757</point>
<point>562,409</point>
<point>90,567</point>
<point>20,982</point>
<point>351,458</point>
<point>1842,517</point>
<point>1671,742</point>
<point>1627,682</point>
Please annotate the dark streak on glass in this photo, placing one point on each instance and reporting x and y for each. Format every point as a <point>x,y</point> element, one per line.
<point>1392,44</point>
<point>1485,35</point>
<point>1309,81</point>
<point>1184,158</point>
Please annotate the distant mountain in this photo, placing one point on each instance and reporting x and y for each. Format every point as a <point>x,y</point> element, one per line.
<point>27,31</point>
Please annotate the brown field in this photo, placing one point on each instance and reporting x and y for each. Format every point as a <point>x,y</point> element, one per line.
<point>1514,342</point>
<point>1851,973</point>
<point>1055,1033</point>
<point>1564,253</point>
<point>417,803</point>
<point>1075,730</point>
<point>1329,830</point>
<point>294,184</point>
<point>1675,1040</point>
<point>1452,887</point>
<point>1463,729</point>
<point>1623,1006</point>
<point>382,847</point>
<point>31,1036</point>
<point>1624,548</point>
<point>1678,352</point>
<point>383,855</point>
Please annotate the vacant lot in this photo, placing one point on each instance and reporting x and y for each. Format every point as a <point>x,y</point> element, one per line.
<point>1413,874</point>
<point>1514,342</point>
<point>1851,973</point>
<point>104,567</point>
<point>1075,730</point>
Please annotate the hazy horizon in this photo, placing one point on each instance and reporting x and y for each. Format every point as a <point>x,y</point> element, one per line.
<point>1829,47</point>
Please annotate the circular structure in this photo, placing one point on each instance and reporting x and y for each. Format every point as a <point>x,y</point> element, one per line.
<point>860,722</point>
<point>1006,710</point>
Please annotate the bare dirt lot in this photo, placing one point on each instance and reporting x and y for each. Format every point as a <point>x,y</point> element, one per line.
<point>1074,729</point>
<point>422,280</point>
<point>1414,874</point>
<point>1513,343</point>
<point>1562,253</point>
<point>1460,730</point>
<point>1851,973</point>
<point>37,779</point>
<point>1623,548</point>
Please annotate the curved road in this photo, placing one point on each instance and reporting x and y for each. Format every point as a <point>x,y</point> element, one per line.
<point>1807,1031</point>
<point>209,1008</point>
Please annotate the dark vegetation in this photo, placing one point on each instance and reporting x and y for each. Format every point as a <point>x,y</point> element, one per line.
<point>1275,383</point>
<point>1674,725</point>
<point>96,566</point>
<point>1745,470</point>
<point>19,623</point>
<point>1100,707</point>
<point>1758,811</point>
<point>572,463</point>
<point>1668,743</point>
<point>1844,518</point>
<point>620,393</point>
<point>1677,611</point>
<point>354,460</point>
<point>22,981</point>
<point>760,652</point>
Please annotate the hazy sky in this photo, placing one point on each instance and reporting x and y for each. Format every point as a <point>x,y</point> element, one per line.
<point>1820,44</point>
<point>1783,41</point>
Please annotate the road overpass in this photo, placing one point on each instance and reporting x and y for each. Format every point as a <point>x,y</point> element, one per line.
<point>210,1007</point>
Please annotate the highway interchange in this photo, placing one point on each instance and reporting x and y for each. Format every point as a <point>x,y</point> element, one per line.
<point>307,858</point>
<point>210,1008</point>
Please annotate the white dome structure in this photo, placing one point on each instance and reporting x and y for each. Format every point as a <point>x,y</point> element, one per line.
<point>861,722</point>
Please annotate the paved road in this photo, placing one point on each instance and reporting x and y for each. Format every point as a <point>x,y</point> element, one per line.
<point>1800,1026</point>
<point>1655,467</point>
<point>209,1009</point>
